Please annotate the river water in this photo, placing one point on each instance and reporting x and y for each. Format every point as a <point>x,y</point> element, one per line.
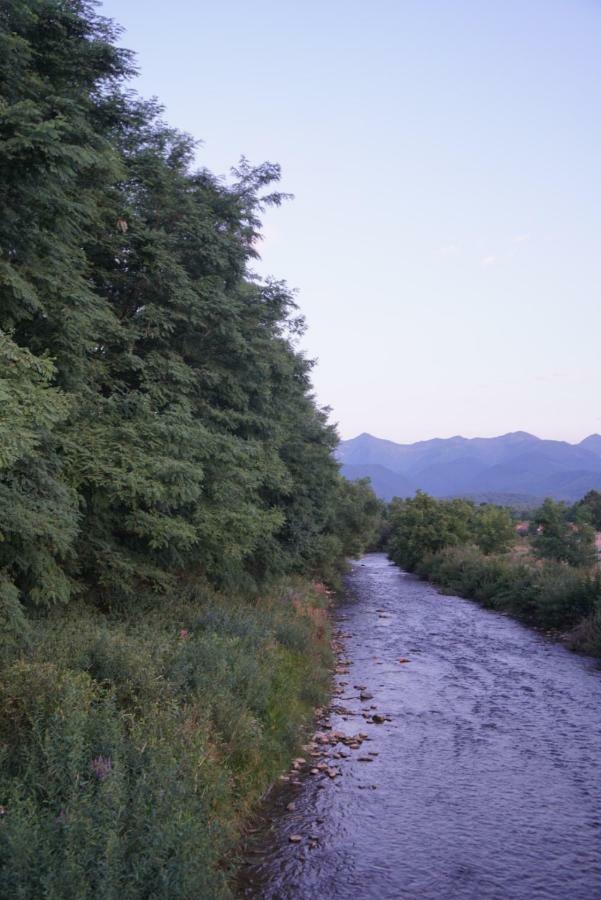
<point>485,782</point>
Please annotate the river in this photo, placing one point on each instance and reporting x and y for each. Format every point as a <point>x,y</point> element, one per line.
<point>483,782</point>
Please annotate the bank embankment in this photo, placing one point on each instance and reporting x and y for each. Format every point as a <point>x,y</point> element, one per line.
<point>132,749</point>
<point>549,595</point>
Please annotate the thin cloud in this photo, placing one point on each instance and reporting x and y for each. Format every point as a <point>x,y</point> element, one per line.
<point>488,260</point>
<point>520,238</point>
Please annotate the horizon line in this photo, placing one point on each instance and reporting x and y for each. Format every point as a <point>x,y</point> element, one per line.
<point>475,438</point>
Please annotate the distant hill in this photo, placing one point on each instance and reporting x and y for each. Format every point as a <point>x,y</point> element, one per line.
<point>385,483</point>
<point>592,443</point>
<point>511,464</point>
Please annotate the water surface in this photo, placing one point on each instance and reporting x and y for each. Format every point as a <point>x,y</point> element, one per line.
<point>487,778</point>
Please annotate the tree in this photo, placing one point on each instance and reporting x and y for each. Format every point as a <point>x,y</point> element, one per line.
<point>188,441</point>
<point>422,525</point>
<point>494,530</point>
<point>38,512</point>
<point>555,537</point>
<point>591,503</point>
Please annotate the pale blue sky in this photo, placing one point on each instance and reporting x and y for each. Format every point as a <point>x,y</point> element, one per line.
<point>445,157</point>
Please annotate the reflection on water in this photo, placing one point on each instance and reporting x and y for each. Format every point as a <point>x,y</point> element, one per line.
<point>483,783</point>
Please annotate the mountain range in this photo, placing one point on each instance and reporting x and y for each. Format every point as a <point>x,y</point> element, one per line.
<point>511,465</point>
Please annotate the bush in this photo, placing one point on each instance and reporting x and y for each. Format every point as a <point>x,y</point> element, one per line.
<point>587,635</point>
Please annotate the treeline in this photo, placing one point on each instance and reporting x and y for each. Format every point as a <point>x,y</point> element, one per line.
<point>548,575</point>
<point>167,485</point>
<point>157,418</point>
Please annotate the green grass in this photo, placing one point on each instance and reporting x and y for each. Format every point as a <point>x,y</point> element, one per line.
<point>132,748</point>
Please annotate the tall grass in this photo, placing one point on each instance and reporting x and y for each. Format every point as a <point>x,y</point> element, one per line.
<point>132,748</point>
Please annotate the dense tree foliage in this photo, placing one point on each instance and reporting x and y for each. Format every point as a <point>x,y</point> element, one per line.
<point>590,507</point>
<point>555,534</point>
<point>160,421</point>
<point>421,526</point>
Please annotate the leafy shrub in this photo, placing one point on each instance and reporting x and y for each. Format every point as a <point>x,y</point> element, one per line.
<point>587,635</point>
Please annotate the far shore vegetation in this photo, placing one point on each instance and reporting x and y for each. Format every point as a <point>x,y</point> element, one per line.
<point>544,570</point>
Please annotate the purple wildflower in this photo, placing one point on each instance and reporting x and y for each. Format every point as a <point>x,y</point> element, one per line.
<point>101,766</point>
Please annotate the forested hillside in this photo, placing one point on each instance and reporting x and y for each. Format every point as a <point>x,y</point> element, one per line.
<point>167,484</point>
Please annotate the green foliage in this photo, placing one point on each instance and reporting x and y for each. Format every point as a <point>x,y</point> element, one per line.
<point>132,747</point>
<point>493,529</point>
<point>590,506</point>
<point>553,595</point>
<point>422,525</point>
<point>160,419</point>
<point>587,634</point>
<point>38,510</point>
<point>157,430</point>
<point>472,551</point>
<point>359,517</point>
<point>555,537</point>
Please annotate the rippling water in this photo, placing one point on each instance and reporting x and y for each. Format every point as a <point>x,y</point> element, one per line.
<point>487,779</point>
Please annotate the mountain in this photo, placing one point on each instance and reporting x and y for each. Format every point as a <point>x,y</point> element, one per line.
<point>592,443</point>
<point>516,463</point>
<point>385,483</point>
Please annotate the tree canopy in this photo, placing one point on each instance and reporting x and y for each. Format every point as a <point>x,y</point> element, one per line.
<point>159,417</point>
<point>422,526</point>
<point>563,535</point>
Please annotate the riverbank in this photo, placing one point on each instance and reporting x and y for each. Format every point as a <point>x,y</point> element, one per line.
<point>134,747</point>
<point>551,596</point>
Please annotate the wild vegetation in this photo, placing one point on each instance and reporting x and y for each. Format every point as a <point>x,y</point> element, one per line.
<point>167,485</point>
<point>550,576</point>
<point>134,745</point>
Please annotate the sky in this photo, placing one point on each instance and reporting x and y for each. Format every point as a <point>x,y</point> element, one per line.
<point>445,161</point>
